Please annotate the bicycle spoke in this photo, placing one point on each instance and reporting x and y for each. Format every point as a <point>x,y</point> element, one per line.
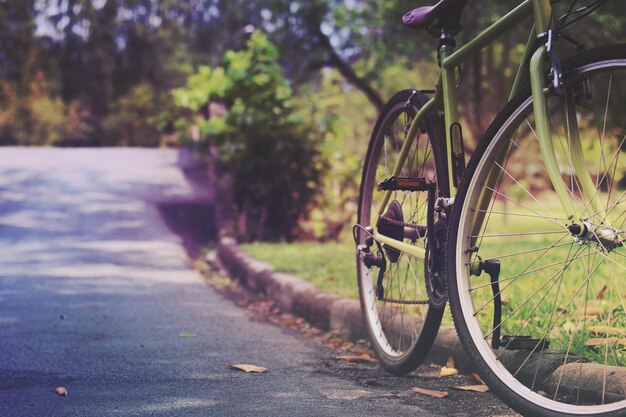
<point>520,204</point>
<point>558,281</point>
<point>395,319</point>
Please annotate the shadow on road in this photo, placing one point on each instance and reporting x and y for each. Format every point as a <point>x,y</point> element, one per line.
<point>193,221</point>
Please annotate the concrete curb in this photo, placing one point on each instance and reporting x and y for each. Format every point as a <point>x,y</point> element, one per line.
<point>326,311</point>
<point>331,312</point>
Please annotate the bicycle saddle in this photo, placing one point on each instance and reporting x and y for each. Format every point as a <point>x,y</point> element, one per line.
<point>424,17</point>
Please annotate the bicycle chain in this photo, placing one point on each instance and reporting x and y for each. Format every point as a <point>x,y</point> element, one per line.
<point>399,223</point>
<point>392,300</point>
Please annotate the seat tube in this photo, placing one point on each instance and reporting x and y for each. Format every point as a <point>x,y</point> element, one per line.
<point>454,145</point>
<point>542,12</point>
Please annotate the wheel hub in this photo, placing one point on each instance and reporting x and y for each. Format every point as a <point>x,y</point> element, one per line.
<point>606,237</point>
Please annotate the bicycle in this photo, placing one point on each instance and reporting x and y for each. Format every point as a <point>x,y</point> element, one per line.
<point>526,240</point>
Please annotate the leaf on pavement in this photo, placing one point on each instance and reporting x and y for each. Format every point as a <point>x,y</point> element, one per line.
<point>364,357</point>
<point>450,363</point>
<point>249,368</point>
<point>185,334</point>
<point>445,371</point>
<point>476,378</point>
<point>430,392</point>
<point>61,391</point>
<point>475,388</point>
<point>290,320</point>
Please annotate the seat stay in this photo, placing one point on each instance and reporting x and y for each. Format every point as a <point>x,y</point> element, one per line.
<point>493,32</point>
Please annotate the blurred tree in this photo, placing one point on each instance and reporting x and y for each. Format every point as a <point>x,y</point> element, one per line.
<point>263,142</point>
<point>99,72</point>
<point>135,118</point>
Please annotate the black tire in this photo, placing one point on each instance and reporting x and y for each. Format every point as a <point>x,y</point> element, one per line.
<point>400,336</point>
<point>524,378</point>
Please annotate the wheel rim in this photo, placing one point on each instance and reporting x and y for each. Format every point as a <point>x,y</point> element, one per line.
<point>395,328</point>
<point>526,299</point>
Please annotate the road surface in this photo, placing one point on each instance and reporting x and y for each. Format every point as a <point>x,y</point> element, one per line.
<point>97,294</point>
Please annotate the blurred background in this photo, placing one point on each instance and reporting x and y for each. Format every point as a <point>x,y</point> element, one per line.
<point>279,95</point>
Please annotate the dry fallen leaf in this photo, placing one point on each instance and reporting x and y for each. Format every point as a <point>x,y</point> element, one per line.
<point>445,371</point>
<point>590,311</point>
<point>450,363</point>
<point>601,330</point>
<point>599,341</point>
<point>184,334</point>
<point>476,378</point>
<point>61,391</point>
<point>249,368</point>
<point>360,350</point>
<point>430,392</point>
<point>290,320</point>
<point>364,357</point>
<point>475,388</point>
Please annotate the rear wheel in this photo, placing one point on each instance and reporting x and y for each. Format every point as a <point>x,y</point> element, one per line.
<point>538,299</point>
<point>402,319</point>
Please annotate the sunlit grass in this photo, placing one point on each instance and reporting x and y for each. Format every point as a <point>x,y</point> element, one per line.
<point>328,266</point>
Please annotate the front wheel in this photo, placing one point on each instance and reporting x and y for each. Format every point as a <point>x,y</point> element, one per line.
<point>401,312</point>
<point>538,299</point>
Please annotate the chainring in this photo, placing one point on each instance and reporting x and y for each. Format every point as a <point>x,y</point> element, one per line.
<point>436,284</point>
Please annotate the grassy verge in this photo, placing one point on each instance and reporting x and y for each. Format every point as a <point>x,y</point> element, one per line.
<point>331,267</point>
<point>328,266</point>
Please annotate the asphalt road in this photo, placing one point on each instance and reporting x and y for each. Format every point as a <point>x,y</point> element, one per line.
<point>96,290</point>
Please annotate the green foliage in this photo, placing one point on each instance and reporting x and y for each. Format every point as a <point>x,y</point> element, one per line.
<point>342,117</point>
<point>266,148</point>
<point>38,117</point>
<point>204,85</point>
<point>85,72</point>
<point>328,266</point>
<point>136,118</point>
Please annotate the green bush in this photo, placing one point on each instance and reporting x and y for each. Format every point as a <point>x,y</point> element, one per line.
<point>267,150</point>
<point>136,119</point>
<point>38,117</point>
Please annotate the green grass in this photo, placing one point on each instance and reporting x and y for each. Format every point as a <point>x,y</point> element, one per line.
<point>328,266</point>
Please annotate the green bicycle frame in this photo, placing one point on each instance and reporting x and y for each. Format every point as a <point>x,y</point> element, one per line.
<point>445,100</point>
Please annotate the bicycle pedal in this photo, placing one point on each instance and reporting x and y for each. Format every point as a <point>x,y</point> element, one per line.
<point>523,343</point>
<point>406,184</point>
